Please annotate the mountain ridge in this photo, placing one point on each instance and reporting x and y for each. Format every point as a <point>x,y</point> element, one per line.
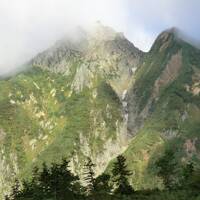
<point>99,97</point>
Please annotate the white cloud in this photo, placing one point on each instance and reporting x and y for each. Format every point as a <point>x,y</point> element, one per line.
<point>29,26</point>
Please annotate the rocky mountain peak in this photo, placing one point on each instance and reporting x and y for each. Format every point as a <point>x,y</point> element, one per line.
<point>100,51</point>
<point>173,31</point>
<point>105,33</point>
<point>166,39</point>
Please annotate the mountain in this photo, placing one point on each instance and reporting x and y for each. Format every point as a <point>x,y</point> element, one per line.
<point>164,109</point>
<point>96,95</point>
<point>67,103</point>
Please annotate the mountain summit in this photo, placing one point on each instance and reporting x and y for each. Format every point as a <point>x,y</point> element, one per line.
<point>100,51</point>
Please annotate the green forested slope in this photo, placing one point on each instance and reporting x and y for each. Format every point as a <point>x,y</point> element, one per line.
<point>164,105</point>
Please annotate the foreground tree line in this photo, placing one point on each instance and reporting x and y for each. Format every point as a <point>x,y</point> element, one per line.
<point>58,183</point>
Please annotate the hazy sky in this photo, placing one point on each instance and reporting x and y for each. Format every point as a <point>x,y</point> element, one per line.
<point>29,26</point>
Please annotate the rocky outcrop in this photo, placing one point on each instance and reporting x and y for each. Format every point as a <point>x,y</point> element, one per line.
<point>195,87</point>
<point>99,52</point>
<point>169,74</point>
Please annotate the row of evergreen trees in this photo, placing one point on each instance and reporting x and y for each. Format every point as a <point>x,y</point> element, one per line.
<point>58,183</point>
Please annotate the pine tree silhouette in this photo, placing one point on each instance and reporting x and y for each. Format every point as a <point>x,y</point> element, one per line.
<point>89,176</point>
<point>55,183</point>
<point>167,165</point>
<point>101,184</point>
<point>15,189</point>
<point>120,176</point>
<point>7,197</point>
<point>61,181</point>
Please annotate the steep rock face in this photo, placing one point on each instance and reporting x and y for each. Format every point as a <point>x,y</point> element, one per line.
<point>159,68</point>
<point>99,52</point>
<point>169,74</point>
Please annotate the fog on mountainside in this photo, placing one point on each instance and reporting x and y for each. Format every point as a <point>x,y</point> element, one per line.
<point>29,27</point>
<point>73,36</point>
<point>93,110</point>
<point>99,96</point>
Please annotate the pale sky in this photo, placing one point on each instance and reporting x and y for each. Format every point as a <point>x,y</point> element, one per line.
<point>30,26</point>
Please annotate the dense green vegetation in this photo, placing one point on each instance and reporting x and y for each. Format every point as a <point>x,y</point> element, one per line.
<point>43,118</point>
<point>57,182</point>
<point>173,120</point>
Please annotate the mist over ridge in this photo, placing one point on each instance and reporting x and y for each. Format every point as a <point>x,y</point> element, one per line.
<point>29,27</point>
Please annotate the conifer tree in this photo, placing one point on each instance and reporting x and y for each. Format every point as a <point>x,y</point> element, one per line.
<point>55,183</point>
<point>89,176</point>
<point>7,197</point>
<point>186,175</point>
<point>120,176</point>
<point>188,171</point>
<point>167,165</point>
<point>62,181</point>
<point>195,180</point>
<point>101,184</point>
<point>15,190</point>
<point>42,182</point>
